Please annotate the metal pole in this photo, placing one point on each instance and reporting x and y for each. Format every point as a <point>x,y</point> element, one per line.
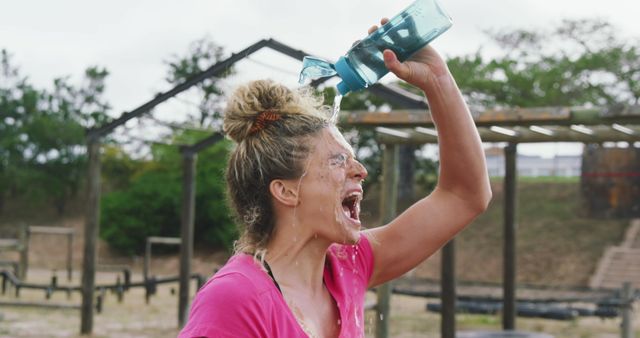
<point>388,206</point>
<point>92,223</point>
<point>448,294</point>
<point>186,247</point>
<point>627,308</point>
<point>509,270</point>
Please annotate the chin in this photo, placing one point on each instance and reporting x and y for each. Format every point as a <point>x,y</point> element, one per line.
<point>351,236</point>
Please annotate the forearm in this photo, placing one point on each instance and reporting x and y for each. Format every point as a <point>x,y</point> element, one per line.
<point>463,169</point>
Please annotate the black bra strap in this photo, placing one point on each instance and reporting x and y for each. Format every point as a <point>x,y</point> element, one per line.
<point>266,265</point>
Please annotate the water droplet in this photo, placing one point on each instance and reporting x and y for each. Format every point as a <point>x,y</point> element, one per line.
<point>336,108</point>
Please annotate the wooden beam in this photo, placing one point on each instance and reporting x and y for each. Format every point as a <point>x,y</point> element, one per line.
<point>601,133</point>
<point>560,116</point>
<point>51,230</point>
<point>164,240</point>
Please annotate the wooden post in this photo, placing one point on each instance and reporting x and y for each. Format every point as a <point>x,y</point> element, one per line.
<point>187,220</point>
<point>388,207</point>
<point>146,264</point>
<point>70,256</point>
<point>448,291</point>
<point>509,270</point>
<point>92,223</point>
<point>627,308</point>
<point>24,252</point>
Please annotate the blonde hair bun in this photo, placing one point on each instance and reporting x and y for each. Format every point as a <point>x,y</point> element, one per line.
<point>249,100</point>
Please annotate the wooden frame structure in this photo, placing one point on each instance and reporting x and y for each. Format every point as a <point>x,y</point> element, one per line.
<point>513,126</point>
<point>418,130</point>
<point>94,137</point>
<point>70,233</point>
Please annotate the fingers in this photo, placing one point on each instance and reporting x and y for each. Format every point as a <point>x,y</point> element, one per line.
<point>392,63</point>
<point>373,28</point>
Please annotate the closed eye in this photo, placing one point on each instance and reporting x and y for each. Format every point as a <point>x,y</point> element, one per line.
<point>338,159</point>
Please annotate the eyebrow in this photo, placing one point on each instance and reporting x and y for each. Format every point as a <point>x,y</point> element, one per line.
<point>349,152</point>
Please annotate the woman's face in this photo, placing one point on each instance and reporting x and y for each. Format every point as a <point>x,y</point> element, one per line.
<point>330,189</point>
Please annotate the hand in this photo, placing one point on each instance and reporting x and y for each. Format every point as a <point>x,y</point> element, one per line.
<point>421,70</point>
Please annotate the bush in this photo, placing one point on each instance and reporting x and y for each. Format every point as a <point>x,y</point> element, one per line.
<point>152,203</point>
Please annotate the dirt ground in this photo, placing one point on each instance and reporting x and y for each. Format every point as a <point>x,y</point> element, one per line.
<point>134,318</point>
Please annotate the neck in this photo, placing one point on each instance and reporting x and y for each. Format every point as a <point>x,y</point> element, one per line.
<point>297,258</point>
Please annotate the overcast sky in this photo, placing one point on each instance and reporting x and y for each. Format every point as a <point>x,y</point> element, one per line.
<point>133,39</point>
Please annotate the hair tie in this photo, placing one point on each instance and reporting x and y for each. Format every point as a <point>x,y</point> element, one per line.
<point>263,118</point>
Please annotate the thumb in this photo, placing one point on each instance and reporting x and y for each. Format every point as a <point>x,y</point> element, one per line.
<point>394,65</point>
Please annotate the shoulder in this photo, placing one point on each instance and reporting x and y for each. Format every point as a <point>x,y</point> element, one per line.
<point>240,278</point>
<point>234,298</point>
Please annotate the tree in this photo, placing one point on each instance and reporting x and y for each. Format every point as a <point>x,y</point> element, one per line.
<point>201,55</point>
<point>42,138</point>
<point>150,204</point>
<point>579,62</point>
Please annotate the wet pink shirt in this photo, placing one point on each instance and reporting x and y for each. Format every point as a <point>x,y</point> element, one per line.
<point>241,300</point>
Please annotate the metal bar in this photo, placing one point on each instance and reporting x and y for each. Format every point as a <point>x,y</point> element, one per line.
<point>40,305</point>
<point>399,96</point>
<point>92,222</point>
<point>186,249</point>
<point>388,207</point>
<point>509,257</point>
<point>448,295</point>
<point>161,97</point>
<point>286,50</point>
<point>205,143</point>
<point>11,278</point>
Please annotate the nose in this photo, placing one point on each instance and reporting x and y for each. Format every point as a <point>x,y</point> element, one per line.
<point>358,171</point>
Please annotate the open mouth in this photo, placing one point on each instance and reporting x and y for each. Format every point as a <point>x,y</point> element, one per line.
<point>351,207</point>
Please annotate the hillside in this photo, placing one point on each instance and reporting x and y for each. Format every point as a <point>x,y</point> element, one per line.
<point>556,246</point>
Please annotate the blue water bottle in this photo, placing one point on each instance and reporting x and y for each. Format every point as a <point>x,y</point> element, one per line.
<point>404,34</point>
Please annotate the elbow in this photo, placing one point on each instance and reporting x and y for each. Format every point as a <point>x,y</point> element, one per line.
<point>482,200</point>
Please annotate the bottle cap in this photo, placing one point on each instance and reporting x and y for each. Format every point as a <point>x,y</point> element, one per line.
<point>351,81</point>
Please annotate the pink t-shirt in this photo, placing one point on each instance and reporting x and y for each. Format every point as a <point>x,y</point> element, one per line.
<point>241,300</point>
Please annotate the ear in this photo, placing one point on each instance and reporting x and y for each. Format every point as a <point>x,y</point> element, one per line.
<point>284,192</point>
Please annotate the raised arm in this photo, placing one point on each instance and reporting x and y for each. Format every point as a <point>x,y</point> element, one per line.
<point>463,190</point>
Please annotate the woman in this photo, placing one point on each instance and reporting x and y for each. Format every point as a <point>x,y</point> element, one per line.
<point>303,263</point>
